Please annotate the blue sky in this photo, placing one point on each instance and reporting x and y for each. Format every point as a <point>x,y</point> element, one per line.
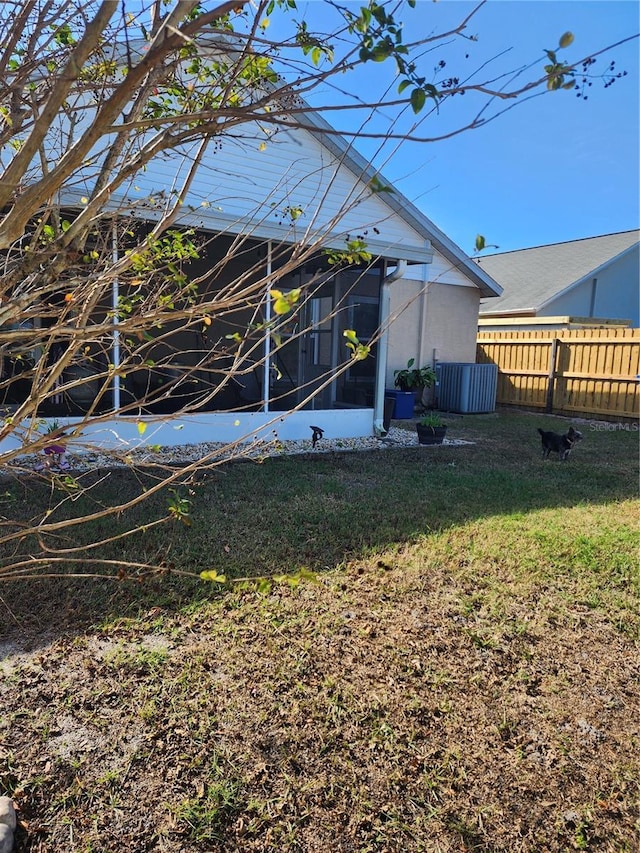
<point>554,168</point>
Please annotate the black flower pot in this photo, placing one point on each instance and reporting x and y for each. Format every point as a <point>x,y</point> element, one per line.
<point>430,435</point>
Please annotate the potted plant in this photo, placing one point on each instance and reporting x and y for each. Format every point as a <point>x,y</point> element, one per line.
<point>412,378</point>
<point>55,448</point>
<point>410,382</point>
<point>431,429</point>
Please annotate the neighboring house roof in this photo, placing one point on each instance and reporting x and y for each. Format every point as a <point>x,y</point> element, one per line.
<point>533,277</point>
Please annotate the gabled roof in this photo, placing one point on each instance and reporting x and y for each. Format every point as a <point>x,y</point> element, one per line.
<point>401,205</point>
<point>308,120</point>
<point>312,122</point>
<point>414,240</point>
<point>532,277</point>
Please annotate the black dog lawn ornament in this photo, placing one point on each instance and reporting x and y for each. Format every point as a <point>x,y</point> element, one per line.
<point>316,435</point>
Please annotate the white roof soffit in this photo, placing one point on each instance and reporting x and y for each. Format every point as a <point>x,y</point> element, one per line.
<point>218,223</point>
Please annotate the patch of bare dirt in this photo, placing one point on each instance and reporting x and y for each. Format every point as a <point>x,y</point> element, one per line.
<point>371,712</point>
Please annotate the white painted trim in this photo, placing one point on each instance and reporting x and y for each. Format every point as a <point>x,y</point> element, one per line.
<point>418,250</point>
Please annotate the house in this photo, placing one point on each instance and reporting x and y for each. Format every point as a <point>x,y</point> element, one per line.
<point>592,281</point>
<point>272,190</point>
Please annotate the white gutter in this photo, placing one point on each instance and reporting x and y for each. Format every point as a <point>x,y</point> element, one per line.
<point>381,367</point>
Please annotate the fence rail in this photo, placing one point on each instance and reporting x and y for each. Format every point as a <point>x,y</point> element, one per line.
<point>592,372</point>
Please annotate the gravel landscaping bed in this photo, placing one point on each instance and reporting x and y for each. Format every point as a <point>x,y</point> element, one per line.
<point>396,438</point>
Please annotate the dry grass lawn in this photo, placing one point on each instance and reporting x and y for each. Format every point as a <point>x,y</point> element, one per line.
<point>463,675</point>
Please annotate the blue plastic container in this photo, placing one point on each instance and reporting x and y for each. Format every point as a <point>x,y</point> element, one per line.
<point>404,405</point>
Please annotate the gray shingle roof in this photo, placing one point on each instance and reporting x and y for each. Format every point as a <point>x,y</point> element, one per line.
<point>530,277</point>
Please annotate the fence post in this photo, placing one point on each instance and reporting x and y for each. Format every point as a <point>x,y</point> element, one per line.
<point>553,358</point>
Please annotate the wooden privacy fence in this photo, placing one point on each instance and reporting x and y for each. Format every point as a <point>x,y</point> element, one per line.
<point>575,371</point>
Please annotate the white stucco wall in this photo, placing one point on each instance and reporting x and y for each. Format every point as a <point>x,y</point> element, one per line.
<point>123,433</point>
<point>431,321</point>
<point>452,322</point>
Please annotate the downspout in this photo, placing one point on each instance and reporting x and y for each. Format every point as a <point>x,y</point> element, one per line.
<point>383,341</point>
<point>424,301</point>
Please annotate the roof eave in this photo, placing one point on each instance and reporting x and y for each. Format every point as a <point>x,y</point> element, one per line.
<point>331,139</point>
<point>401,205</point>
<point>217,223</point>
